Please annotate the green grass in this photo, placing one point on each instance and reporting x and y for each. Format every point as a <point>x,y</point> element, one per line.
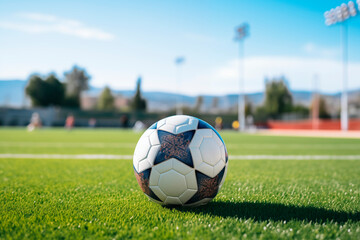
<point>262,199</point>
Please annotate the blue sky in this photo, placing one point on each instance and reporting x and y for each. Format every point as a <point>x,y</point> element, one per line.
<point>116,41</point>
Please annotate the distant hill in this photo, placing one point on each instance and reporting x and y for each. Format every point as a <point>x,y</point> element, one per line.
<point>12,94</point>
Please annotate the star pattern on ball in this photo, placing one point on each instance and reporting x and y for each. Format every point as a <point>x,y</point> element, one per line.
<point>143,180</point>
<point>208,187</point>
<point>175,146</point>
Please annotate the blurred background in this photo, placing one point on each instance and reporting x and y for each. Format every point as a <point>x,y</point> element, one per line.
<point>243,65</point>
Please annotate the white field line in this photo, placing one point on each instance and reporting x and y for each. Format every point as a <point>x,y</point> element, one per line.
<point>294,157</point>
<point>66,144</point>
<point>127,157</point>
<point>67,156</point>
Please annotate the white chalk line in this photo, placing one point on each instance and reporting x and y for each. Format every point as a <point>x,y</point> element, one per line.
<point>67,145</point>
<point>128,157</point>
<point>294,157</point>
<point>67,156</point>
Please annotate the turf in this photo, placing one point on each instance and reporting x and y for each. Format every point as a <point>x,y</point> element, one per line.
<point>262,199</point>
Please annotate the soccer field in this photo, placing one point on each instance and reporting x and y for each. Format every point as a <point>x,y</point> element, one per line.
<point>47,193</point>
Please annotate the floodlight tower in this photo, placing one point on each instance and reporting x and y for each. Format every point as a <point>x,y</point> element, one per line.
<point>241,32</point>
<point>339,15</point>
<point>179,61</point>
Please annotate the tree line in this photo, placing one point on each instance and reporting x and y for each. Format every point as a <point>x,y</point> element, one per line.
<point>48,90</point>
<point>279,101</point>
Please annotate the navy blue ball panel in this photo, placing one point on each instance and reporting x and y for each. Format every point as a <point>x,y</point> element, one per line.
<point>175,146</point>
<point>143,180</point>
<point>207,187</point>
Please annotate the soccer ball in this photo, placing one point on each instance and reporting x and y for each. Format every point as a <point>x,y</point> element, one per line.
<point>180,160</point>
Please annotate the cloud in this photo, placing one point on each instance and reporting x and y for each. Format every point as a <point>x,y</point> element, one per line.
<point>315,50</point>
<point>38,17</point>
<point>300,72</point>
<point>36,23</point>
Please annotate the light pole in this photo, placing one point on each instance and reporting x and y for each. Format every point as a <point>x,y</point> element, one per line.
<point>179,61</point>
<point>241,33</point>
<point>339,15</point>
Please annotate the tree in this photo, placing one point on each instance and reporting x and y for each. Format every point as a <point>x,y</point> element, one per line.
<point>56,90</point>
<point>77,80</point>
<point>36,90</point>
<point>138,103</point>
<point>278,99</point>
<point>300,109</point>
<point>322,109</point>
<point>45,92</point>
<point>106,100</point>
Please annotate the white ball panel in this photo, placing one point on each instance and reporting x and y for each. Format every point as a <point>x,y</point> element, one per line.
<point>218,167</point>
<point>158,192</point>
<point>196,156</point>
<point>191,125</point>
<point>146,151</point>
<point>196,141</point>
<point>169,128</point>
<point>143,165</point>
<point>210,151</point>
<point>154,179</point>
<point>217,139</point>
<point>142,148</point>
<point>178,124</point>
<point>207,169</point>
<point>175,179</point>
<point>148,132</point>
<point>187,195</point>
<point>164,166</point>
<point>191,180</point>
<point>154,138</point>
<point>161,123</point>
<point>173,201</point>
<point>172,183</point>
<point>152,154</point>
<point>222,153</point>
<point>208,156</point>
<point>180,167</point>
<point>178,120</point>
<point>205,133</point>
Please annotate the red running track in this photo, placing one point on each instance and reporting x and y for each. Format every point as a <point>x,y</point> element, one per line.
<point>354,124</point>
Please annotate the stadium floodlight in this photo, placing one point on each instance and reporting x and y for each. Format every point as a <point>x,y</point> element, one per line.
<point>339,15</point>
<point>241,32</point>
<point>352,9</point>
<point>179,61</point>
